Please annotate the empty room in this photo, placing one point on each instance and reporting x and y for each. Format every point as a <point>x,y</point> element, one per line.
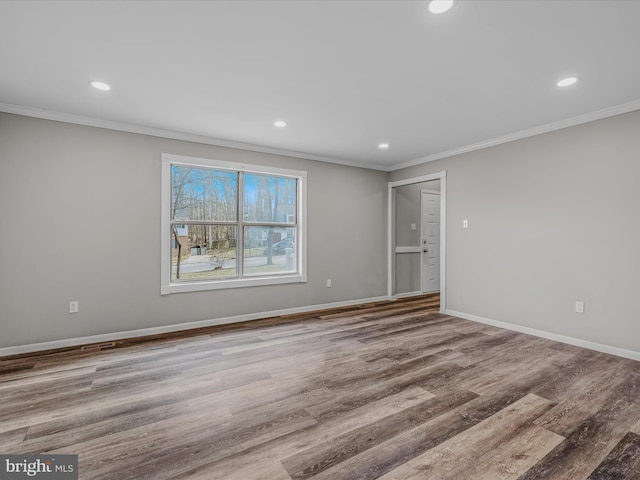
<point>320,240</point>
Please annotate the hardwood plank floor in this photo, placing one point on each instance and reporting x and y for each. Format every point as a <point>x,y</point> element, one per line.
<point>391,390</point>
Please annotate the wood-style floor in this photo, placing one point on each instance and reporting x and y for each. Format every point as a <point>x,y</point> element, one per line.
<point>393,390</point>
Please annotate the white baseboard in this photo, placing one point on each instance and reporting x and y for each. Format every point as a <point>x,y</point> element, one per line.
<point>109,337</point>
<point>406,294</point>
<point>598,347</point>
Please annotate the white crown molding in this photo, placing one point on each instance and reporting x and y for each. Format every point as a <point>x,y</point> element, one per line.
<point>175,135</point>
<point>531,132</point>
<point>578,342</point>
<point>189,137</point>
<point>143,332</point>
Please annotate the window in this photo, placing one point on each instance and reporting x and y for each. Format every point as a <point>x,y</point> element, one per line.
<point>228,225</point>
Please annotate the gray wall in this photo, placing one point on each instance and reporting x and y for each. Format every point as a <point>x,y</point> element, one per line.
<point>81,221</point>
<point>552,219</point>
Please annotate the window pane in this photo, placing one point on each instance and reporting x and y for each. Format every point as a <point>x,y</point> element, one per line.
<point>203,194</point>
<point>269,250</point>
<point>270,199</point>
<point>203,252</point>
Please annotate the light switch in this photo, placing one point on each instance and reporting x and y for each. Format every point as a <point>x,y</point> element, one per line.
<point>413,226</point>
<point>465,223</point>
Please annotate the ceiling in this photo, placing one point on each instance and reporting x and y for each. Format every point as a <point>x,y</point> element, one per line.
<point>345,75</point>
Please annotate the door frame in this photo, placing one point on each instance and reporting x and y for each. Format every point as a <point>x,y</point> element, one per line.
<point>422,192</point>
<point>442,176</point>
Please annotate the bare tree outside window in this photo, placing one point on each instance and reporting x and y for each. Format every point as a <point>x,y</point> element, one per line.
<point>219,232</point>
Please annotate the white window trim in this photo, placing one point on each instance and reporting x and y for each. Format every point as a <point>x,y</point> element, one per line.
<point>167,286</point>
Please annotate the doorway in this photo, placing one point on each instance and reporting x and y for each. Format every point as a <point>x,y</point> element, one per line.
<point>431,265</point>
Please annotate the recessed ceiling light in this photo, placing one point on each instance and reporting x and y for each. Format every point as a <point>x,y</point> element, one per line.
<point>280,123</point>
<point>382,146</point>
<point>565,82</point>
<point>440,6</point>
<point>100,85</point>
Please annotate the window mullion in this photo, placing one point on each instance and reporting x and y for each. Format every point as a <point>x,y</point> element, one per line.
<point>202,222</point>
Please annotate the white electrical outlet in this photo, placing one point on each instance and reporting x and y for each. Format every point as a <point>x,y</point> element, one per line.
<point>579,306</point>
<point>413,226</point>
<point>74,306</point>
<point>328,282</point>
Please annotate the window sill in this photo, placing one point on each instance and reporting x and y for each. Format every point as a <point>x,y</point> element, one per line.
<point>183,287</point>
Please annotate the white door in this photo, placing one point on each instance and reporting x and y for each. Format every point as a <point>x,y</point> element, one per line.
<point>430,242</point>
